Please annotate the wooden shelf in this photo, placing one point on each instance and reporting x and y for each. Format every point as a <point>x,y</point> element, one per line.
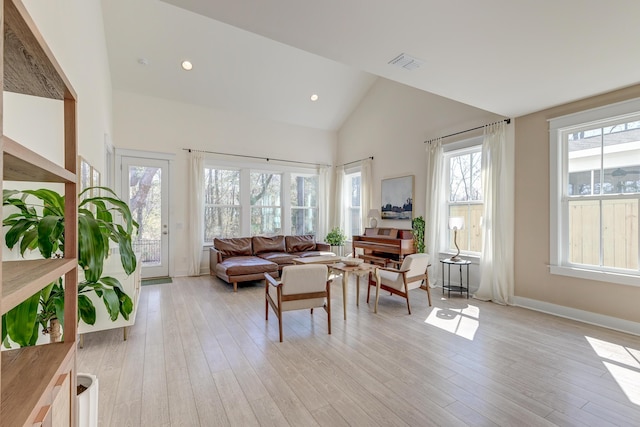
<point>22,164</point>
<point>31,378</point>
<point>22,279</point>
<point>29,65</point>
<point>28,376</point>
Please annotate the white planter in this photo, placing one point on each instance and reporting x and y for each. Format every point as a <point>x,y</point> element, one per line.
<point>88,401</point>
<point>338,250</point>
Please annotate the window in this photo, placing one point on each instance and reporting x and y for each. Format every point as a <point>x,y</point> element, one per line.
<point>464,196</point>
<point>221,203</point>
<point>266,211</point>
<point>596,192</point>
<point>304,204</point>
<point>241,201</point>
<point>353,221</point>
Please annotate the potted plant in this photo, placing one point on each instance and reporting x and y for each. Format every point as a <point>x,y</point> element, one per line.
<point>417,224</point>
<point>336,239</point>
<point>39,225</point>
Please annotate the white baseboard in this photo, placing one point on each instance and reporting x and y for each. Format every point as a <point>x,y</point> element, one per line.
<point>610,322</point>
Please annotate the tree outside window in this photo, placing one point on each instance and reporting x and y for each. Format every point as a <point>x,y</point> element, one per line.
<point>265,200</point>
<point>465,197</point>
<point>221,204</point>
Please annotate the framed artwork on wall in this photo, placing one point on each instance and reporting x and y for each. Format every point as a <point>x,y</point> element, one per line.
<point>397,198</point>
<point>89,177</point>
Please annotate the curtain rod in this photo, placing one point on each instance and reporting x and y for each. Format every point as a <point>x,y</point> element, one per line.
<point>429,141</point>
<point>355,161</point>
<point>255,157</point>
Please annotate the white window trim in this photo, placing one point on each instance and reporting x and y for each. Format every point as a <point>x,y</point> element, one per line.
<point>557,165</point>
<point>239,206</point>
<point>458,148</point>
<point>246,168</point>
<point>287,186</point>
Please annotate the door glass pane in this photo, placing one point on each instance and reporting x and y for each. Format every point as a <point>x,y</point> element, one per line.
<point>145,202</point>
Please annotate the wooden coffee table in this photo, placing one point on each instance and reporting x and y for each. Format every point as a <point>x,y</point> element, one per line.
<point>321,259</point>
<point>334,264</point>
<point>358,270</point>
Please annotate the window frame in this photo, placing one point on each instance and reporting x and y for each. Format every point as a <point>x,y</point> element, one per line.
<point>559,198</point>
<point>273,207</point>
<point>213,205</point>
<point>463,147</point>
<point>293,208</point>
<point>246,168</point>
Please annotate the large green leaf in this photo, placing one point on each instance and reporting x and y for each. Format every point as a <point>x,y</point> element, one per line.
<point>29,241</point>
<point>18,229</point>
<point>126,304</point>
<point>86,310</point>
<point>50,230</point>
<point>112,303</point>
<point>53,202</point>
<point>112,282</point>
<point>21,320</point>
<point>91,248</point>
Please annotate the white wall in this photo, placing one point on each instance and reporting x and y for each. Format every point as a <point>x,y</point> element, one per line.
<point>158,125</point>
<point>74,31</point>
<point>391,124</point>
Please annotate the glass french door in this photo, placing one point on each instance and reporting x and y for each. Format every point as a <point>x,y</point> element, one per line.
<point>145,185</point>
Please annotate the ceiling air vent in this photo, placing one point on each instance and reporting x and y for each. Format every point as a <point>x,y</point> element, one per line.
<point>407,62</point>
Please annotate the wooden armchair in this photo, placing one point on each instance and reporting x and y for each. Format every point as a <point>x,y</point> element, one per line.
<point>300,287</point>
<point>399,281</point>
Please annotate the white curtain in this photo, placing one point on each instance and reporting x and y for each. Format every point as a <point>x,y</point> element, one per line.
<point>338,211</point>
<point>496,261</point>
<point>196,211</point>
<point>324,191</point>
<point>435,208</point>
<point>366,185</point>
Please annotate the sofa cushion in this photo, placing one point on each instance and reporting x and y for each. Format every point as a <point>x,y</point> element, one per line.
<point>243,265</point>
<point>281,258</point>
<point>302,243</point>
<point>232,247</point>
<point>263,244</point>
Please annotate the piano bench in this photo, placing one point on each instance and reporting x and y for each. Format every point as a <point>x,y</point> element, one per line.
<point>372,259</point>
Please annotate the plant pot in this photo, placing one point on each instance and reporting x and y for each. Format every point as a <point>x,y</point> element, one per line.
<point>338,250</point>
<point>87,399</point>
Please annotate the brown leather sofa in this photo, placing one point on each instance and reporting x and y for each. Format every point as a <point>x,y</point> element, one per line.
<point>243,259</point>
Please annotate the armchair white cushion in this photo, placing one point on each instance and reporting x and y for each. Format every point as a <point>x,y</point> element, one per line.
<point>411,274</point>
<point>300,287</point>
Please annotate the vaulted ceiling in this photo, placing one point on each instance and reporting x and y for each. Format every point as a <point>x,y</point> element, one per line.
<point>266,58</point>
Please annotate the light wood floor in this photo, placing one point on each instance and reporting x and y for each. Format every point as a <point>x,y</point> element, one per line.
<point>200,354</point>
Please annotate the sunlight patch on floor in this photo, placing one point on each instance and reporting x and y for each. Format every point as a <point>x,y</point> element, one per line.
<point>459,321</point>
<point>623,363</point>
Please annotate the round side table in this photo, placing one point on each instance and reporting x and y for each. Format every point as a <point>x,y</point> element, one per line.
<point>447,285</point>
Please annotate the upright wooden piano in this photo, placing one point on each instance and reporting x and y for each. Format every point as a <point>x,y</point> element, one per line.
<point>380,245</point>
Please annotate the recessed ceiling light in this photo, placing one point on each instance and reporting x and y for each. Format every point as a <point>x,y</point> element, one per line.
<point>314,97</point>
<point>187,65</point>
